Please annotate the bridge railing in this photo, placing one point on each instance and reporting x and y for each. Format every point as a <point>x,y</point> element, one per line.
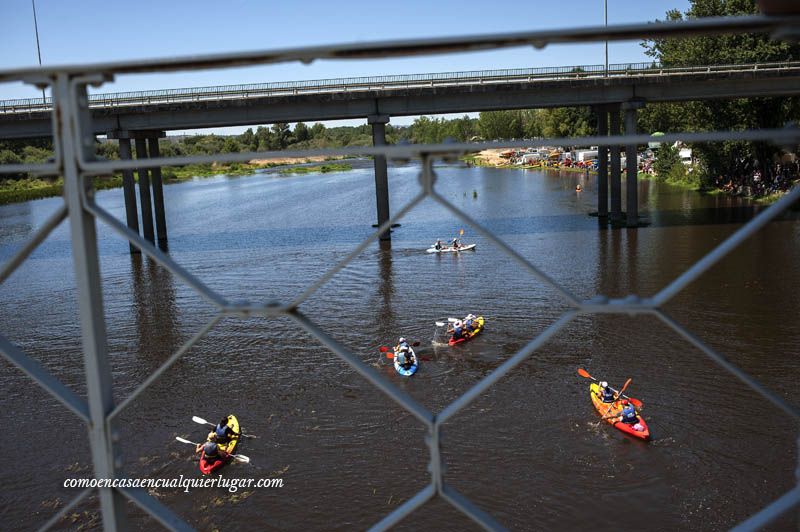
<point>400,81</point>
<point>75,161</point>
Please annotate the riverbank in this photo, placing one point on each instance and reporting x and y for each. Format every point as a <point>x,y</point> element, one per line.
<point>28,189</point>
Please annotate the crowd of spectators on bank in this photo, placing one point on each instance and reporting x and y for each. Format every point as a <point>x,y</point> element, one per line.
<point>778,177</point>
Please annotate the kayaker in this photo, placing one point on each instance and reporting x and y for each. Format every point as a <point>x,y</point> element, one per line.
<point>401,343</point>
<point>455,243</point>
<point>223,431</point>
<point>210,451</point>
<point>469,322</point>
<point>458,331</point>
<point>438,244</point>
<point>627,415</point>
<point>404,356</point>
<point>606,393</point>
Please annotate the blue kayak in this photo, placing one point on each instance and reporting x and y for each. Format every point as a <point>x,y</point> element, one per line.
<point>403,367</point>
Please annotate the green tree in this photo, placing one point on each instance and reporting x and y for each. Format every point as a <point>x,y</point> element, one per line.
<point>301,132</point>
<point>729,159</point>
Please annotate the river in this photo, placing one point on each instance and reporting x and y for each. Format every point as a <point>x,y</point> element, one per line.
<point>530,451</point>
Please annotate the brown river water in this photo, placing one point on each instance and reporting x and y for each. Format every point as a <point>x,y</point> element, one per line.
<point>530,451</point>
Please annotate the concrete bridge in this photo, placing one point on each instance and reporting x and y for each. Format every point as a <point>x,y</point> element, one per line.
<point>144,116</point>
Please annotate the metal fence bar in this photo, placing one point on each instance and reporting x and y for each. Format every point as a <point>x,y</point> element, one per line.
<point>466,507</point>
<point>730,243</point>
<point>533,270</point>
<point>260,90</point>
<point>504,368</point>
<point>70,94</point>
<point>37,238</point>
<point>728,366</point>
<point>156,254</point>
<point>782,136</point>
<point>50,384</point>
<point>63,512</point>
<point>770,513</point>
<point>405,509</point>
<point>392,391</point>
<point>358,250</point>
<point>413,47</point>
<point>155,509</point>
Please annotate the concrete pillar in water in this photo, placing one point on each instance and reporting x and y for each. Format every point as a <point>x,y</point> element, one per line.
<point>631,166</point>
<point>616,167</point>
<point>128,187</point>
<point>602,163</point>
<point>158,192</point>
<point>144,192</point>
<point>378,123</point>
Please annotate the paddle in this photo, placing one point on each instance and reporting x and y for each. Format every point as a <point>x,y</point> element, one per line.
<point>202,421</point>
<point>238,457</point>
<point>635,402</point>
<point>611,405</point>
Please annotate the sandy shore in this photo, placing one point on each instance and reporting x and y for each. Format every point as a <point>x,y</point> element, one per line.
<point>288,160</point>
<point>492,157</point>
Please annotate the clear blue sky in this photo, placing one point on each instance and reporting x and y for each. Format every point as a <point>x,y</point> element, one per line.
<point>88,31</point>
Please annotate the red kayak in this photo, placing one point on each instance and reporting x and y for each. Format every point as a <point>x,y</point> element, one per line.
<point>468,336</point>
<point>207,467</point>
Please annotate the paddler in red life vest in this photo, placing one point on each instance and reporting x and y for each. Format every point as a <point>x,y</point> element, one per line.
<point>210,450</point>
<point>223,431</point>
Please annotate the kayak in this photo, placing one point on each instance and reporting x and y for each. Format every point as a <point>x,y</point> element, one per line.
<point>411,369</point>
<point>207,467</point>
<point>469,336</point>
<point>616,408</point>
<point>449,249</point>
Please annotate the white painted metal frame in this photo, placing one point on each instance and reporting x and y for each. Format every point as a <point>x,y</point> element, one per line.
<point>74,161</point>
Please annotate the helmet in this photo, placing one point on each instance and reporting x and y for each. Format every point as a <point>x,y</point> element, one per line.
<point>471,316</point>
<point>458,324</point>
<point>401,340</point>
<point>604,384</point>
<point>625,402</point>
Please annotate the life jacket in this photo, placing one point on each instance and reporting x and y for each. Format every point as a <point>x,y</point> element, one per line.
<point>470,325</point>
<point>607,395</point>
<point>457,333</point>
<point>222,433</point>
<point>400,356</point>
<point>629,415</point>
<point>211,451</point>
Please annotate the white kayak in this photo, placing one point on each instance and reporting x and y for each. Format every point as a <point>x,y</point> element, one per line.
<point>449,249</point>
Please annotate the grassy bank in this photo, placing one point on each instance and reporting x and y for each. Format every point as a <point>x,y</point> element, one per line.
<point>321,169</point>
<point>27,189</point>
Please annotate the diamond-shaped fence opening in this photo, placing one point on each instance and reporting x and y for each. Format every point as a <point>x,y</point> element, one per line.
<point>71,103</point>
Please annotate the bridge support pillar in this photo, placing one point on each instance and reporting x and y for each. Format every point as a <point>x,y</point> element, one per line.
<point>129,189</point>
<point>158,191</point>
<point>144,191</point>
<point>602,163</point>
<point>378,123</point>
<point>616,167</point>
<point>631,166</point>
